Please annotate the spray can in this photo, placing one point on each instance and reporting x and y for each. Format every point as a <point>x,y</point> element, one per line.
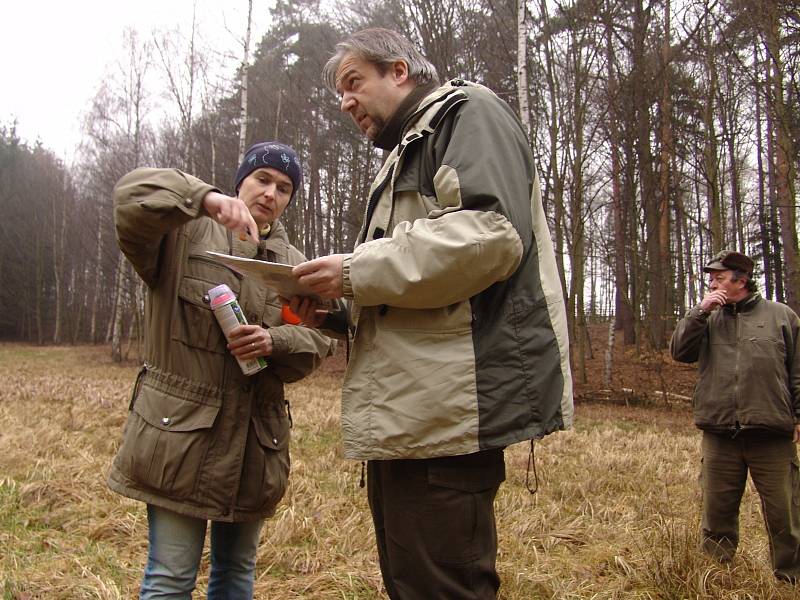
<point>229,315</point>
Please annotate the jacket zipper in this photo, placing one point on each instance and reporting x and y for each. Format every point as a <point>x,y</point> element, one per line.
<point>373,202</point>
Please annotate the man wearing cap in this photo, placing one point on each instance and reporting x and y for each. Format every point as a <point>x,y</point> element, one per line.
<point>203,442</point>
<point>747,402</point>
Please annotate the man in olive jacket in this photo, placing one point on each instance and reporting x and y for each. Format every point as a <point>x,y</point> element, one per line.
<point>747,402</point>
<point>203,441</point>
<point>460,344</point>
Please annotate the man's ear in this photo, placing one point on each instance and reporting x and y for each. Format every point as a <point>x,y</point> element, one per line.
<point>742,281</point>
<point>400,71</point>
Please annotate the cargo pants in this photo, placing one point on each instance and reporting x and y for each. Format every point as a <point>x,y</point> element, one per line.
<point>772,462</point>
<point>435,526</point>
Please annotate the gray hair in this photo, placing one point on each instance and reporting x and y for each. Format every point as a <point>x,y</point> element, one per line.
<point>738,275</point>
<point>381,47</point>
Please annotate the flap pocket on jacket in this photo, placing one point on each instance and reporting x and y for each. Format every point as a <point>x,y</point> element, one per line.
<point>167,440</point>
<point>266,463</point>
<point>453,319</point>
<point>203,267</point>
<point>169,413</point>
<point>272,431</point>
<point>195,292</point>
<point>195,324</point>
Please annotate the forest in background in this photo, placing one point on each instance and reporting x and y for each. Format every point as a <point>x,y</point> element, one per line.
<point>663,130</point>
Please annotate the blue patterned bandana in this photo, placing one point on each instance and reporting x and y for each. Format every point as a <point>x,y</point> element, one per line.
<point>270,154</point>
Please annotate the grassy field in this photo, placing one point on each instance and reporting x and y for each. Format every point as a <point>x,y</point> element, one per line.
<point>616,514</point>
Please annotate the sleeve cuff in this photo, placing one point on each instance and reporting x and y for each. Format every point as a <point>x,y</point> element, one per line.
<point>280,342</point>
<point>192,201</point>
<point>347,284</point>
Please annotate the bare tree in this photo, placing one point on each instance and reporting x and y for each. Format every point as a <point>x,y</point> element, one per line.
<point>522,67</point>
<point>243,83</point>
<point>182,65</point>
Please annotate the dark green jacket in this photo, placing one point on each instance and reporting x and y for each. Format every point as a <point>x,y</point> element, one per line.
<point>749,365</point>
<point>203,439</point>
<point>461,334</point>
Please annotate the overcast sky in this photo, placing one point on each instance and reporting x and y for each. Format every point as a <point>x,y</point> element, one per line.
<point>53,55</point>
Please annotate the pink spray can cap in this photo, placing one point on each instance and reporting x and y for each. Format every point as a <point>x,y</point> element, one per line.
<point>220,295</point>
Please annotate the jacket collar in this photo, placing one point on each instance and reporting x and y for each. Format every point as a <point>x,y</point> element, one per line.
<point>392,132</point>
<point>744,305</point>
<point>435,105</point>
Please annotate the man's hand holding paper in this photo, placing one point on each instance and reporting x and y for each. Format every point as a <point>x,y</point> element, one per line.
<point>322,275</point>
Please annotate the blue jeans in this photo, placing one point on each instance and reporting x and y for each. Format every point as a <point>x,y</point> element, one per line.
<point>175,546</point>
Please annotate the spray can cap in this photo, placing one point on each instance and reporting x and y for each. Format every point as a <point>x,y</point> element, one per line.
<point>220,295</point>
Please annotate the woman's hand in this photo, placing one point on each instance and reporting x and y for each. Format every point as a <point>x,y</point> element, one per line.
<point>307,310</point>
<point>231,213</point>
<point>250,341</point>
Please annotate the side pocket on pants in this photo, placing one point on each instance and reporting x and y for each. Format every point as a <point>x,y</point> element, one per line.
<point>458,513</point>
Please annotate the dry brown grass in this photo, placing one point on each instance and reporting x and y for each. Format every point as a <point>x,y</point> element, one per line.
<point>615,517</point>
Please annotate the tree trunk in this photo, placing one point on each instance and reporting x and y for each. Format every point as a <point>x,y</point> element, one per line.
<point>80,301</point>
<point>682,261</point>
<point>59,258</point>
<point>763,215</point>
<point>522,68</point>
<point>243,84</point>
<point>188,133</point>
<point>784,163</point>
<point>97,280</point>
<point>576,218</point>
<point>119,312</point>
<point>622,304</point>
<point>608,367</point>
<point>554,171</point>
<point>39,288</point>
<point>711,153</point>
<point>641,83</point>
<point>776,255</point>
<point>667,300</point>
<point>728,127</point>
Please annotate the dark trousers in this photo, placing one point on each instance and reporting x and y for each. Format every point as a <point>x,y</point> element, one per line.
<point>773,466</point>
<point>435,527</point>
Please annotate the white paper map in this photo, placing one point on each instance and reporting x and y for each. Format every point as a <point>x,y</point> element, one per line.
<point>273,275</point>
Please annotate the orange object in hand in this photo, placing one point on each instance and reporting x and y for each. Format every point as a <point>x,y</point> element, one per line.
<point>289,317</point>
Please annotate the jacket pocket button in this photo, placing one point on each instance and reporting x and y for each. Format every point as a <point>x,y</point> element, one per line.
<point>165,421</point>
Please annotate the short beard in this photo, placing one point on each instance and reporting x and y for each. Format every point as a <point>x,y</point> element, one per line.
<point>378,125</point>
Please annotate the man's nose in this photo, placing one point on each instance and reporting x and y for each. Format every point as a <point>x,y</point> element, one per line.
<point>347,102</point>
<point>269,190</point>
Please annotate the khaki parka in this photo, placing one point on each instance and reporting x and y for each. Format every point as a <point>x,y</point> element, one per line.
<point>460,327</point>
<point>749,365</point>
<point>202,439</point>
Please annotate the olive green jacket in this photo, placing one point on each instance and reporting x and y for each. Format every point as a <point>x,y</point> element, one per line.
<point>749,365</point>
<point>203,439</point>
<point>460,327</point>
